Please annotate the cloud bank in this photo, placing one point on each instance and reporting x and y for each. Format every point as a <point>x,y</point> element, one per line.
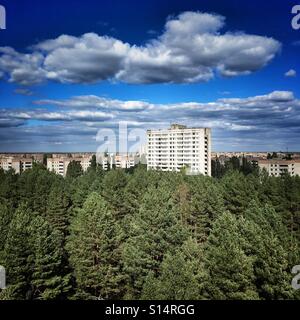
<point>264,122</point>
<point>191,48</point>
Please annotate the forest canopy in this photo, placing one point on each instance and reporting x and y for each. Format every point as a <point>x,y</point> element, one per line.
<point>142,234</point>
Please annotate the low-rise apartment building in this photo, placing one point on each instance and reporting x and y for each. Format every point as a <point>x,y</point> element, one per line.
<point>16,163</point>
<point>125,161</point>
<point>59,165</point>
<point>278,167</point>
<point>119,161</point>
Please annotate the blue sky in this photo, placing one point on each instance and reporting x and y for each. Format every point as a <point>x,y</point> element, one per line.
<point>69,70</point>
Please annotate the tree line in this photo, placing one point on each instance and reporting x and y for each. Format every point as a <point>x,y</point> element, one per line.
<point>138,234</point>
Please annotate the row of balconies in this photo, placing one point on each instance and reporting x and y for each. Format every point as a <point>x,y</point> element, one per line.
<point>161,162</point>
<point>181,148</point>
<point>175,164</point>
<point>189,139</point>
<point>176,134</point>
<point>176,156</point>
<point>159,139</point>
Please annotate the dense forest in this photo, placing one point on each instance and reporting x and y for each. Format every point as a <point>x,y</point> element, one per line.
<point>138,234</point>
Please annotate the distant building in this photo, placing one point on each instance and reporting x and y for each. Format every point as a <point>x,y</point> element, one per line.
<point>124,161</point>
<point>261,155</point>
<point>26,164</point>
<point>16,163</point>
<point>10,163</point>
<point>104,163</point>
<point>180,147</point>
<point>277,167</point>
<point>59,165</point>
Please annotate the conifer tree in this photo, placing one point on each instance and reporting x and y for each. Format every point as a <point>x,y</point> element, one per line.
<point>264,241</point>
<point>135,189</point>
<point>74,170</point>
<point>182,275</point>
<point>8,188</point>
<point>6,216</point>
<point>238,193</point>
<point>94,250</point>
<point>18,255</point>
<point>58,207</point>
<point>231,274</point>
<point>50,278</point>
<point>113,191</point>
<point>154,230</point>
<point>93,161</point>
<point>207,204</point>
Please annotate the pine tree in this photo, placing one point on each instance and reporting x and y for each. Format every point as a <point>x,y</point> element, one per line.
<point>135,189</point>
<point>231,274</point>
<point>57,213</point>
<point>217,169</point>
<point>182,275</point>
<point>291,212</point>
<point>155,229</point>
<point>34,187</point>
<point>78,191</point>
<point>6,216</point>
<point>238,193</point>
<point>206,205</point>
<point>93,165</point>
<point>18,255</point>
<point>265,236</point>
<point>50,279</point>
<point>94,250</point>
<point>8,188</point>
<point>113,191</point>
<point>271,192</point>
<point>182,200</point>
<point>74,170</point>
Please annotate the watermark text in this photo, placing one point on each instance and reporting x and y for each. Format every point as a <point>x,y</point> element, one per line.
<point>2,278</point>
<point>296,18</point>
<point>2,18</point>
<point>296,279</point>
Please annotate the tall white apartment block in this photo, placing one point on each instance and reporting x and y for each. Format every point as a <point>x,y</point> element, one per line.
<point>180,147</point>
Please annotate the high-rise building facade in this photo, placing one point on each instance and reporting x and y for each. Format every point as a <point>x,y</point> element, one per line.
<point>180,147</point>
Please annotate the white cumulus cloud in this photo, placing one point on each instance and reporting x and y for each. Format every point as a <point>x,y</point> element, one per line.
<point>291,73</point>
<point>192,48</point>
